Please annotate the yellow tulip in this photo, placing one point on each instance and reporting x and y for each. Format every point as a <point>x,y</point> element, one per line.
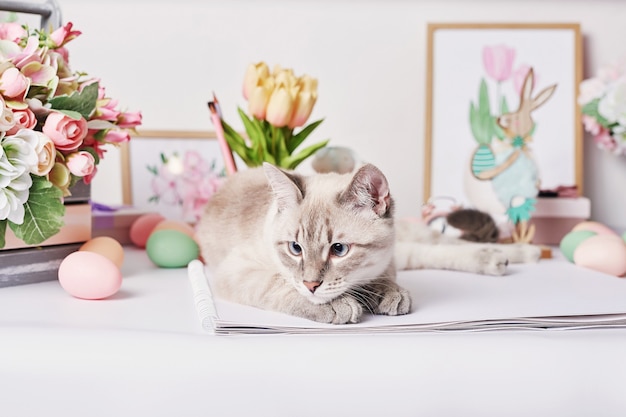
<point>280,105</point>
<point>255,76</point>
<point>284,76</point>
<point>304,101</point>
<point>259,98</point>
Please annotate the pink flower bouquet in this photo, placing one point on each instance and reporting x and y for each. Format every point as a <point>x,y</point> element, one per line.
<point>603,101</point>
<point>54,123</point>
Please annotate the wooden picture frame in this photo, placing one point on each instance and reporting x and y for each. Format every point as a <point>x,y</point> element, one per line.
<point>455,70</point>
<point>168,171</point>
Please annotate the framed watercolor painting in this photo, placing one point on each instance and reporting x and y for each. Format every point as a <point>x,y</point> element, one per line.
<point>502,122</point>
<point>171,172</point>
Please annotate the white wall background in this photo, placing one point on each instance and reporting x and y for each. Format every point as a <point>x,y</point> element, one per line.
<point>165,58</point>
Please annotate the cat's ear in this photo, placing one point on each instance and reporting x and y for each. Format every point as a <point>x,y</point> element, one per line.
<point>288,189</point>
<point>369,190</point>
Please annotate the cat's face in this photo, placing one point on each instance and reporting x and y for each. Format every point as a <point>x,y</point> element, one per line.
<point>332,233</point>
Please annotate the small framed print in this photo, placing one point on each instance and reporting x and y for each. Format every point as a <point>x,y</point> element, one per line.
<point>475,75</point>
<point>173,173</point>
<point>502,120</point>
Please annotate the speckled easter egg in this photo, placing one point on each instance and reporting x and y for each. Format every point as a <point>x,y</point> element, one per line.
<point>592,226</point>
<point>570,242</point>
<point>605,253</point>
<point>141,228</point>
<point>171,248</point>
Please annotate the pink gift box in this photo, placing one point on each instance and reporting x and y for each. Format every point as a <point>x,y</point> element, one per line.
<point>554,217</point>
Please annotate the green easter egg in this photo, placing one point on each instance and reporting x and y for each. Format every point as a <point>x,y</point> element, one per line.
<point>570,242</point>
<point>483,159</point>
<point>171,248</point>
<point>624,236</point>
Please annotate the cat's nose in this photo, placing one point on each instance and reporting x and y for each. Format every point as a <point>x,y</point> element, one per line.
<point>312,285</point>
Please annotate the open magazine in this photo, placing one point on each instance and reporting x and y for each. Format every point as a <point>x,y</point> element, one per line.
<point>552,294</point>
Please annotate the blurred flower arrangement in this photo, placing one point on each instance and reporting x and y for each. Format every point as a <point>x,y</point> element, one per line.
<point>187,182</point>
<point>54,124</point>
<point>603,101</point>
<point>278,102</point>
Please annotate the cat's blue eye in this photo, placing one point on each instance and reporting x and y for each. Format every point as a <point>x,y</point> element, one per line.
<point>339,249</point>
<point>295,248</point>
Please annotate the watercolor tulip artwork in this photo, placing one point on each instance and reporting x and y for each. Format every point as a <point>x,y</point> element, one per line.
<point>502,158</point>
<point>279,102</point>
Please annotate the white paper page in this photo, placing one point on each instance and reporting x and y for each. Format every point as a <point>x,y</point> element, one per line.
<point>553,289</point>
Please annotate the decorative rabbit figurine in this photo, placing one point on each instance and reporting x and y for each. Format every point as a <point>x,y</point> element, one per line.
<point>514,175</point>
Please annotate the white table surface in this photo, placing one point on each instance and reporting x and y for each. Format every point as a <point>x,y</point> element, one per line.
<point>144,353</point>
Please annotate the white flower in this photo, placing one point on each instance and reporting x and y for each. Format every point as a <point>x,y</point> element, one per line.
<point>613,105</point>
<point>16,159</point>
<point>43,149</point>
<point>591,89</point>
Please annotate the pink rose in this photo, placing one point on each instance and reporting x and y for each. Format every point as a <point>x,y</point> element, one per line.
<point>66,133</point>
<point>87,178</point>
<point>604,140</point>
<point>129,120</point>
<point>64,34</point>
<point>591,125</point>
<point>116,136</point>
<point>80,163</point>
<point>24,119</point>
<point>13,83</point>
<point>107,110</point>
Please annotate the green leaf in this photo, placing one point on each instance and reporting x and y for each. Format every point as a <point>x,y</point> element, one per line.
<point>237,143</point>
<point>481,121</point>
<point>483,98</point>
<point>297,139</point>
<point>254,129</point>
<point>3,231</point>
<point>591,109</point>
<point>294,160</point>
<point>82,102</point>
<point>279,151</point>
<point>44,212</point>
<point>504,106</point>
<point>72,114</point>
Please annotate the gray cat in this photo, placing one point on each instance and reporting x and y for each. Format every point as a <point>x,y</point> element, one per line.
<point>323,247</point>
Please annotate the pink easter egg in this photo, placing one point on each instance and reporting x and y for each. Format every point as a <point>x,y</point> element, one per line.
<point>89,275</point>
<point>604,252</point>
<point>592,226</point>
<point>141,228</point>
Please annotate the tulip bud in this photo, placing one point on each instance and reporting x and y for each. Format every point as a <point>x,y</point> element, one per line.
<point>285,76</point>
<point>60,176</point>
<point>255,75</point>
<point>304,101</point>
<point>257,102</point>
<point>280,106</point>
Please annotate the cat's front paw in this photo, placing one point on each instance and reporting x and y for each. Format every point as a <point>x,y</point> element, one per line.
<point>346,310</point>
<point>492,261</point>
<point>395,302</point>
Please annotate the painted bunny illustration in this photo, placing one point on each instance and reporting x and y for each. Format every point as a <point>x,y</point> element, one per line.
<point>511,169</point>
